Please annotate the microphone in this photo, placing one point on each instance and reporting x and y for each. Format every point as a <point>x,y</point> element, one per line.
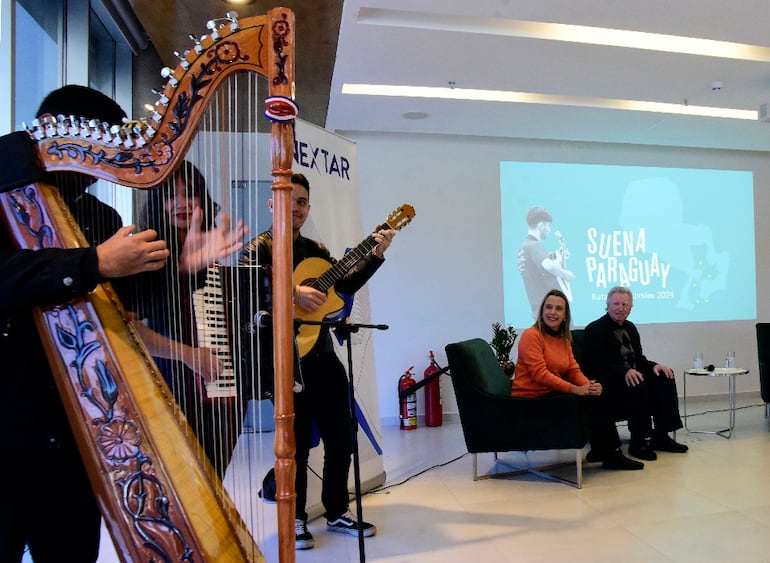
<point>262,319</point>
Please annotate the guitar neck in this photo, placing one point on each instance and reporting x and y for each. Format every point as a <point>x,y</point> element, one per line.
<point>345,264</point>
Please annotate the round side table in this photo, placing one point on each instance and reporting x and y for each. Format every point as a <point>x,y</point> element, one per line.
<point>730,374</point>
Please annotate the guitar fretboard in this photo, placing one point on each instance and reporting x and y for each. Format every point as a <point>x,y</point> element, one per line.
<point>344,264</point>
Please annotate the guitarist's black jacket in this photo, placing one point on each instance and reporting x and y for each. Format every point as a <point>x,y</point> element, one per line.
<point>259,252</point>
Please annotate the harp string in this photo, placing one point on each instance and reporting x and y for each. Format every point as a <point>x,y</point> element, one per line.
<point>220,154</point>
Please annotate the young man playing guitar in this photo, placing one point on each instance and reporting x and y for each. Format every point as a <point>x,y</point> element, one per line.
<point>324,398</point>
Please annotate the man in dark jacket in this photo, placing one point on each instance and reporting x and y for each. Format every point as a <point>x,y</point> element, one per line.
<point>642,390</point>
<point>47,502</point>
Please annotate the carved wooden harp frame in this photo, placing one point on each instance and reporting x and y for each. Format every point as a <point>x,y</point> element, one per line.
<point>159,498</point>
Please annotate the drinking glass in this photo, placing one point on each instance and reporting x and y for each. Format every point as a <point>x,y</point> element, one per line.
<point>697,361</point>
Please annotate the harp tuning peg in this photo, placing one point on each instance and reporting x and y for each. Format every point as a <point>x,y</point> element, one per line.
<point>212,25</point>
<point>198,47</point>
<point>168,74</point>
<point>233,17</point>
<point>182,60</point>
<point>162,98</point>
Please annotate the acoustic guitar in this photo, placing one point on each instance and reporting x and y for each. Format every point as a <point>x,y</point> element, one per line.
<point>322,275</point>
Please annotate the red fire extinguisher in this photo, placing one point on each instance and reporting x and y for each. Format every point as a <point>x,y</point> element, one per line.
<point>408,402</point>
<point>433,415</point>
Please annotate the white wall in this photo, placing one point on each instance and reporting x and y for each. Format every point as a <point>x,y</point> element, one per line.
<point>442,281</point>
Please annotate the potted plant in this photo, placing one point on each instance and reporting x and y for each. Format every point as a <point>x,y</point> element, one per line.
<point>503,339</point>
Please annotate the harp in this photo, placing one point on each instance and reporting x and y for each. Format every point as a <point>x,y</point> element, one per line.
<point>159,498</point>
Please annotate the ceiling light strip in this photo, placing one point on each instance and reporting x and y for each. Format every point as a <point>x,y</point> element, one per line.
<point>564,32</point>
<point>547,99</point>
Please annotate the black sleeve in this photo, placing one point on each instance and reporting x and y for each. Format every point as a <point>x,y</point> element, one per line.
<point>50,275</point>
<point>359,274</point>
<point>20,164</point>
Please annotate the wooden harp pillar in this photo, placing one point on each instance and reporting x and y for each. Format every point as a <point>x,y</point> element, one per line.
<point>159,500</point>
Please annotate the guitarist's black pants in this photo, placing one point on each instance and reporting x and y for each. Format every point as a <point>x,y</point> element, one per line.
<point>325,401</point>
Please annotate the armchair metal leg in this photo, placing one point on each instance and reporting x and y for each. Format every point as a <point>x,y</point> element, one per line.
<point>539,471</point>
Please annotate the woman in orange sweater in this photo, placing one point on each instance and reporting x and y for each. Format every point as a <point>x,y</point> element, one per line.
<point>546,365</point>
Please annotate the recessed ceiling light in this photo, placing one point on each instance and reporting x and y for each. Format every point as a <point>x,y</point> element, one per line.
<point>415,115</point>
<point>563,32</point>
<point>546,99</point>
<point>238,2</point>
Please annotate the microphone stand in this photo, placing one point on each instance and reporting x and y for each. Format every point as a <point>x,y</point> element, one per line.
<point>344,329</point>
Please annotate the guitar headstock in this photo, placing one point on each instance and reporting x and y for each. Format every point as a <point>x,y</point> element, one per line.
<point>400,217</point>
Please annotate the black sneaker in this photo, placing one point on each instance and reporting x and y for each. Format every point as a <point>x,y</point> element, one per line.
<point>347,524</point>
<point>302,538</point>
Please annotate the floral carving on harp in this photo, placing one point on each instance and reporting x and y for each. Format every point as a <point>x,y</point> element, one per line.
<point>160,501</point>
<point>144,495</point>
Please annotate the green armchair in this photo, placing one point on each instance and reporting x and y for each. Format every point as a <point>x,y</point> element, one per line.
<point>763,353</point>
<point>494,422</point>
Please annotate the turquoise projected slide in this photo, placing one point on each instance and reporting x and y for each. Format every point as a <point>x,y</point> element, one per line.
<point>681,239</point>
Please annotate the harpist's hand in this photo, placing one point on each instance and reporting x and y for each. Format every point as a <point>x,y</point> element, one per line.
<point>126,253</point>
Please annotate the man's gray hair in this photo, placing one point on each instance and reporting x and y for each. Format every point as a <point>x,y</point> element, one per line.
<point>620,289</point>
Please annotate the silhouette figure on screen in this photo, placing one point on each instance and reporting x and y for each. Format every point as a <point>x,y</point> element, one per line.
<point>540,270</point>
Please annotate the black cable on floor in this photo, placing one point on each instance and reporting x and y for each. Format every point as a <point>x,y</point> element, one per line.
<point>386,487</point>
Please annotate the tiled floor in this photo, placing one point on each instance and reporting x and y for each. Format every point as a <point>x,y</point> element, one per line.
<point>711,504</point>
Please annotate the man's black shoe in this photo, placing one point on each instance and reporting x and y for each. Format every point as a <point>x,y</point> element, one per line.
<point>667,444</point>
<point>593,457</point>
<point>616,460</point>
<point>642,451</point>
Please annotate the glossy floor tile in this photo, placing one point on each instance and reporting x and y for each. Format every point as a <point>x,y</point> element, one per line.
<point>711,504</point>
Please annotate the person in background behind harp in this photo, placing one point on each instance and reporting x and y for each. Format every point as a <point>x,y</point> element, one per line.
<point>324,398</point>
<point>183,212</point>
<point>540,270</point>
